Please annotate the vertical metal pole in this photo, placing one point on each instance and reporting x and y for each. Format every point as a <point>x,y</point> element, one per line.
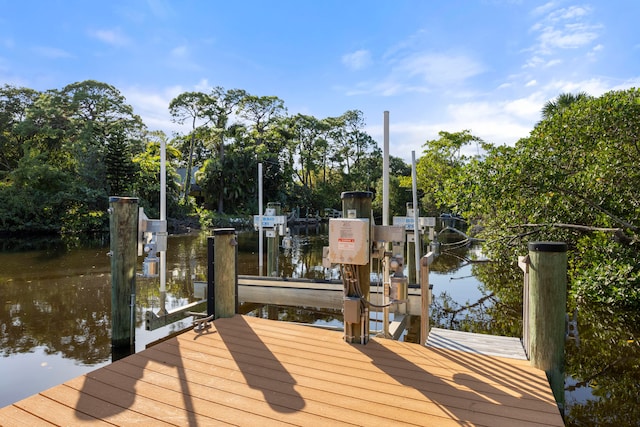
<point>547,311</point>
<point>163,217</point>
<point>123,226</point>
<point>416,213</point>
<point>132,316</point>
<point>385,172</point>
<point>260,237</point>
<point>385,221</point>
<point>425,297</point>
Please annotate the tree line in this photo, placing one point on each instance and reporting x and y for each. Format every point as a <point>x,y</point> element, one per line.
<point>573,179</point>
<point>64,151</point>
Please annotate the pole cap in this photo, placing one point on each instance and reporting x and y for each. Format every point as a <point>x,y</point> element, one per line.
<point>356,195</point>
<point>118,199</point>
<point>547,246</point>
<point>223,231</point>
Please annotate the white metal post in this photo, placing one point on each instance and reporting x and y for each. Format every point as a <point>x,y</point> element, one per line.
<point>385,222</point>
<point>416,213</point>
<point>260,237</point>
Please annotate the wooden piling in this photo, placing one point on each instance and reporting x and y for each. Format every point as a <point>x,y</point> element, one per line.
<point>547,311</point>
<point>211,284</point>
<point>225,277</point>
<point>357,204</point>
<point>123,228</point>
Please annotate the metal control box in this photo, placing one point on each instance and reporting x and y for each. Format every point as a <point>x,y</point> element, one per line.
<point>351,310</point>
<point>349,241</point>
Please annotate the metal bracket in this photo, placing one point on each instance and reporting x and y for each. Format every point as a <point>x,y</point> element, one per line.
<point>200,321</point>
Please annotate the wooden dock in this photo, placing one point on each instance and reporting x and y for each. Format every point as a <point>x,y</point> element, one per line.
<point>488,345</point>
<point>249,371</point>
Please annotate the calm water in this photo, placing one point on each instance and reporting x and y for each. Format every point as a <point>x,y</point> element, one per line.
<point>55,317</point>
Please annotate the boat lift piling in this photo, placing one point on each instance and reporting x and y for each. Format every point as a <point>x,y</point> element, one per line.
<point>544,310</point>
<point>123,225</point>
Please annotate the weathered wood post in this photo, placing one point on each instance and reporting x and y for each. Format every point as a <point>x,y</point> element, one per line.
<point>211,284</point>
<point>357,204</point>
<point>547,311</point>
<point>123,230</point>
<point>225,272</point>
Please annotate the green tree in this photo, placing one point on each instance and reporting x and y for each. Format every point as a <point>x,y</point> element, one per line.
<point>561,103</point>
<point>98,113</point>
<point>574,179</point>
<point>191,106</point>
<point>439,169</point>
<point>399,188</point>
<point>14,104</point>
<point>147,182</point>
<point>222,104</point>
<point>262,116</point>
<point>120,169</point>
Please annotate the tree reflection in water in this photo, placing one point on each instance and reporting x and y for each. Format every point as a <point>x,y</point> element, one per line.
<point>56,297</point>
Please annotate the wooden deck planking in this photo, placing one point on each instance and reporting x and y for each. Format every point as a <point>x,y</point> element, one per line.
<point>248,371</point>
<point>490,345</point>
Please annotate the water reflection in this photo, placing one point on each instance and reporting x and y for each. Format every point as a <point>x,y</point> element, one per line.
<point>55,315</point>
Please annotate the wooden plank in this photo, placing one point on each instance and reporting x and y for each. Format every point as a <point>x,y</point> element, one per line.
<point>320,394</point>
<point>89,408</point>
<point>353,363</point>
<point>53,411</point>
<point>173,388</point>
<point>491,345</point>
<point>398,325</point>
<point>13,416</point>
<point>250,371</point>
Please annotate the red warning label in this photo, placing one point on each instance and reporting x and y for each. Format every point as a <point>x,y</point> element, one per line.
<point>346,244</point>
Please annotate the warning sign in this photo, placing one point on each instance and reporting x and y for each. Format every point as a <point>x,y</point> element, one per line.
<point>349,241</point>
<point>346,244</point>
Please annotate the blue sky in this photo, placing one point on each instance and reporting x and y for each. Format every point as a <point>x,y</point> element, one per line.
<point>484,65</point>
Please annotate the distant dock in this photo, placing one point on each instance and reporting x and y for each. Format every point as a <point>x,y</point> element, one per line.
<point>250,371</point>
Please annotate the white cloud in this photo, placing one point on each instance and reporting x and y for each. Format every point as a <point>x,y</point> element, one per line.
<point>7,43</point>
<point>570,36</point>
<point>438,69</point>
<point>357,60</point>
<point>203,86</point>
<point>564,28</point>
<point>160,8</point>
<point>180,57</point>
<point>545,8</point>
<point>113,37</point>
<point>153,107</point>
<point>51,52</point>
<point>181,51</point>
<point>526,109</point>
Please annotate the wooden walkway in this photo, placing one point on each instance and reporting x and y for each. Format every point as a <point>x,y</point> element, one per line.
<point>250,371</point>
<point>489,345</point>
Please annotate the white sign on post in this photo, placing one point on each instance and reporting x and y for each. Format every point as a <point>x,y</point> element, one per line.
<point>408,222</point>
<point>268,221</point>
<point>405,221</point>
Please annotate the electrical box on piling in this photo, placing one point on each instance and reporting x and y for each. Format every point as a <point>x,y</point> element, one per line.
<point>349,241</point>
